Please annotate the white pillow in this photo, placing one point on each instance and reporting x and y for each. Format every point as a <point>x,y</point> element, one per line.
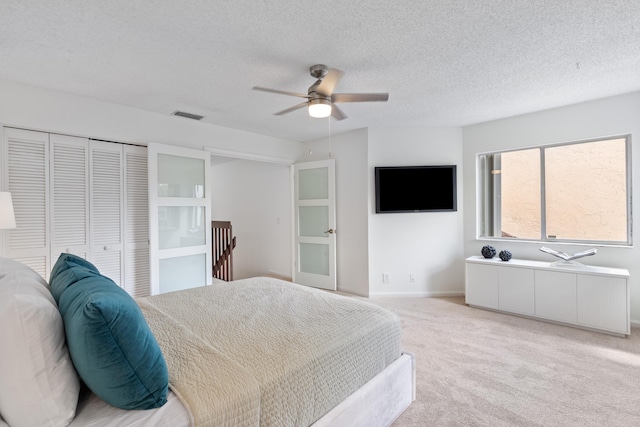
<point>39,384</point>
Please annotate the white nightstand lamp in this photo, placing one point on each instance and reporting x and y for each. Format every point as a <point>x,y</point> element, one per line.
<point>7,218</point>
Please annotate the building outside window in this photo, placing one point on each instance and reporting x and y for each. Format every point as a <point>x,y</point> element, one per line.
<point>575,192</point>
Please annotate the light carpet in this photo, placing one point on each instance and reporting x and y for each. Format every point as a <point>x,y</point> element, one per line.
<point>481,368</point>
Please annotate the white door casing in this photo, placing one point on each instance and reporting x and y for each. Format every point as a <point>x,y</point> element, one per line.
<point>315,224</point>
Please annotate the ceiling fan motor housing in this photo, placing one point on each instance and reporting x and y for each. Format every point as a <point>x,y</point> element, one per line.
<point>318,71</point>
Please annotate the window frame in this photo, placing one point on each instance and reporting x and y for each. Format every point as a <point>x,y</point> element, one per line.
<point>488,204</point>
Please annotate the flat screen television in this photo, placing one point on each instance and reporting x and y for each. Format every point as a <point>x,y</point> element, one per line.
<point>415,189</point>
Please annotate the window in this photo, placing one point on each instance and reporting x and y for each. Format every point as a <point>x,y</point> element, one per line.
<point>576,192</point>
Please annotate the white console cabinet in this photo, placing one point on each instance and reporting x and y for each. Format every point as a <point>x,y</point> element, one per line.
<point>574,294</point>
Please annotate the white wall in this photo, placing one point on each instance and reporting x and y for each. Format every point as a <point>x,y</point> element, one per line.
<point>256,198</point>
<point>46,110</point>
<point>606,117</point>
<point>350,153</point>
<point>427,244</point>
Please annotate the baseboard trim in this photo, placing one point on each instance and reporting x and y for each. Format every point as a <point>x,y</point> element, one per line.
<point>351,293</point>
<point>277,275</point>
<point>416,294</point>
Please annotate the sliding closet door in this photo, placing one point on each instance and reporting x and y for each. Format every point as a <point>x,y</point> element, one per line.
<point>179,218</point>
<point>69,195</point>
<point>106,209</point>
<point>26,169</point>
<point>136,231</point>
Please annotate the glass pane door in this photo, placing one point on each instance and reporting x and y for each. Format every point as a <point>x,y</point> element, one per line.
<point>315,263</point>
<point>180,218</point>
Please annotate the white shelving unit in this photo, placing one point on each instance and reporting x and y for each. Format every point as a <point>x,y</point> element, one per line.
<point>596,298</point>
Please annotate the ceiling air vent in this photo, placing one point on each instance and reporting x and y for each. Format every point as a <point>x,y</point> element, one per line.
<point>188,115</point>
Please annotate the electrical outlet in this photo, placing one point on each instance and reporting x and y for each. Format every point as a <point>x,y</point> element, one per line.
<point>385,277</point>
<point>412,277</point>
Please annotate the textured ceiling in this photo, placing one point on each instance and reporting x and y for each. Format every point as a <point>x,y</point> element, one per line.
<point>443,62</point>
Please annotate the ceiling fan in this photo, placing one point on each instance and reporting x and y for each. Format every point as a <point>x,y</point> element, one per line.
<point>320,97</point>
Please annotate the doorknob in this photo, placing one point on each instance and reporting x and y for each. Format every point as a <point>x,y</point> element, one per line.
<point>330,231</point>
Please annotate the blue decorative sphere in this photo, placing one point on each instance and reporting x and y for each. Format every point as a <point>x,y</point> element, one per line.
<point>488,251</point>
<point>505,255</point>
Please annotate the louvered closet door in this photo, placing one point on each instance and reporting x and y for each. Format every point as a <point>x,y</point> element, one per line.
<point>69,195</point>
<point>136,243</point>
<point>27,164</point>
<point>106,209</point>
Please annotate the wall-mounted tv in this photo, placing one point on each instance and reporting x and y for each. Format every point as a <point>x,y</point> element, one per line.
<point>416,189</point>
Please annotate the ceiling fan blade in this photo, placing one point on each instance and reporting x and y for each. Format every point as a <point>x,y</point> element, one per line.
<point>329,82</point>
<point>290,109</point>
<point>281,92</point>
<point>337,113</point>
<point>359,97</point>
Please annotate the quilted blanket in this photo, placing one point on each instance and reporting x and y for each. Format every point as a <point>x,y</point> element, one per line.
<point>262,351</point>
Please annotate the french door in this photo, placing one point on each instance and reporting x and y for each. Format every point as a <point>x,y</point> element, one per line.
<point>179,218</point>
<point>315,224</point>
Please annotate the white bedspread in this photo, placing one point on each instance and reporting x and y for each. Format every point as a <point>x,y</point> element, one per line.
<point>266,352</point>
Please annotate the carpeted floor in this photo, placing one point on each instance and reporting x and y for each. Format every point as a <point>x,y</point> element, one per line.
<point>480,368</point>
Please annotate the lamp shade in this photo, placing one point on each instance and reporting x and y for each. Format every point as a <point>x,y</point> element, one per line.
<point>319,108</point>
<point>7,218</point>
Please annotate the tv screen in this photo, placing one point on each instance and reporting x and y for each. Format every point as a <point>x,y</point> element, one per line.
<point>415,189</point>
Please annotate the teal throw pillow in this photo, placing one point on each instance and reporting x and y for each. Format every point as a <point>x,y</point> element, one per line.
<point>67,270</point>
<point>110,343</point>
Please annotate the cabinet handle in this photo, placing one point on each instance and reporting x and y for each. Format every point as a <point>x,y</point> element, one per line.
<point>106,248</point>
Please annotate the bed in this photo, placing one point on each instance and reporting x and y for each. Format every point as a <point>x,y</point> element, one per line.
<point>251,352</point>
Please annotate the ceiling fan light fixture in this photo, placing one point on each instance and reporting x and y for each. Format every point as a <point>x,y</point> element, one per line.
<point>319,108</point>
<point>320,100</point>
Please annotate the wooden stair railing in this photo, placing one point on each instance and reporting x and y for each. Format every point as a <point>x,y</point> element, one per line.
<point>223,244</point>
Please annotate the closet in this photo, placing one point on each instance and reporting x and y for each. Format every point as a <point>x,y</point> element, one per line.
<point>81,196</point>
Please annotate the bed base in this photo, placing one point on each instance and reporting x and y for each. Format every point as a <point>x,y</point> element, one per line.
<point>380,401</point>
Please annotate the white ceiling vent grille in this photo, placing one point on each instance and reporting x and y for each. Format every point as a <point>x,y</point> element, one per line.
<point>188,115</point>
